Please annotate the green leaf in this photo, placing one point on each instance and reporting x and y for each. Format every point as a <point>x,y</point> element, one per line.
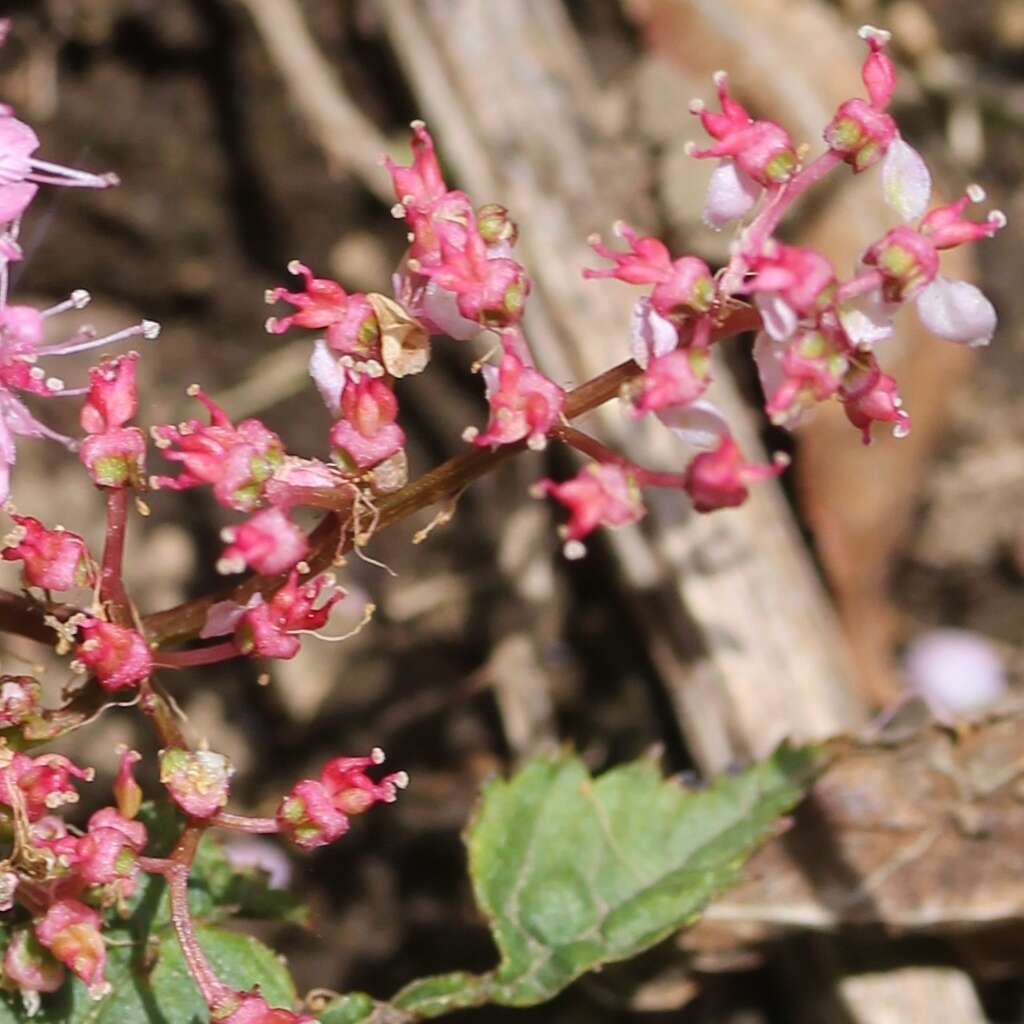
<point>574,872</point>
<point>160,990</point>
<point>443,993</point>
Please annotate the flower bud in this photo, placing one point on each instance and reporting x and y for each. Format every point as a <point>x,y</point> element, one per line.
<point>31,968</point>
<point>118,656</point>
<point>264,628</point>
<point>127,792</point>
<point>113,397</point>
<point>54,559</point>
<point>524,404</point>
<point>676,379</point>
<point>870,396</point>
<point>71,932</point>
<point>317,812</point>
<point>367,432</point>
<point>268,542</point>
<point>197,781</point>
<point>719,478</point>
<point>41,783</point>
<point>495,226</point>
<point>601,494</point>
<point>20,698</point>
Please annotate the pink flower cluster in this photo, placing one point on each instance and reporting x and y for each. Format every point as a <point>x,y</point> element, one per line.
<point>62,876</point>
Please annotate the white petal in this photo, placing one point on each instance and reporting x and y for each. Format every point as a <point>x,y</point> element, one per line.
<point>650,334</point>
<point>868,319</point>
<point>699,424</point>
<point>221,619</point>
<point>328,376</point>
<point>957,311</point>
<point>731,194</point>
<point>491,375</point>
<point>906,183</point>
<point>778,316</point>
<point>442,310</point>
<point>768,359</point>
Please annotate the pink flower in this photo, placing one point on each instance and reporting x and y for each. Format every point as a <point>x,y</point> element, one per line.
<point>317,812</point>
<point>71,932</point>
<point>351,323</point>
<point>119,657</point>
<point>237,461</point>
<point>54,559</point>
<point>861,133</point>
<point>490,290</point>
<point>798,374</point>
<point>947,228</point>
<point>197,780</point>
<point>601,494</point>
<point>870,396</point>
<point>719,478</point>
<point>40,783</point>
<point>268,542</point>
<point>308,817</point>
<point>682,287</point>
<point>420,186</point>
<point>266,628</point>
<point>524,405</point>
<point>761,149</point>
<point>107,852</point>
<point>790,284</point>
<point>907,261</point>
<point>432,211</point>
<point>367,432</point>
<point>671,381</point>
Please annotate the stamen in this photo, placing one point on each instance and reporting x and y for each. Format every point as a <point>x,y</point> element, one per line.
<point>145,328</point>
<point>78,299</point>
<point>55,174</point>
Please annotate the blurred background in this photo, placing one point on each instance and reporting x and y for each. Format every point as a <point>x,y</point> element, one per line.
<point>246,133</point>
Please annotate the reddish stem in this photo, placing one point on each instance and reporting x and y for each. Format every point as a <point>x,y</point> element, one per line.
<point>599,452</point>
<point>209,655</point>
<point>866,282</point>
<point>175,870</point>
<point>112,591</point>
<point>244,823</point>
